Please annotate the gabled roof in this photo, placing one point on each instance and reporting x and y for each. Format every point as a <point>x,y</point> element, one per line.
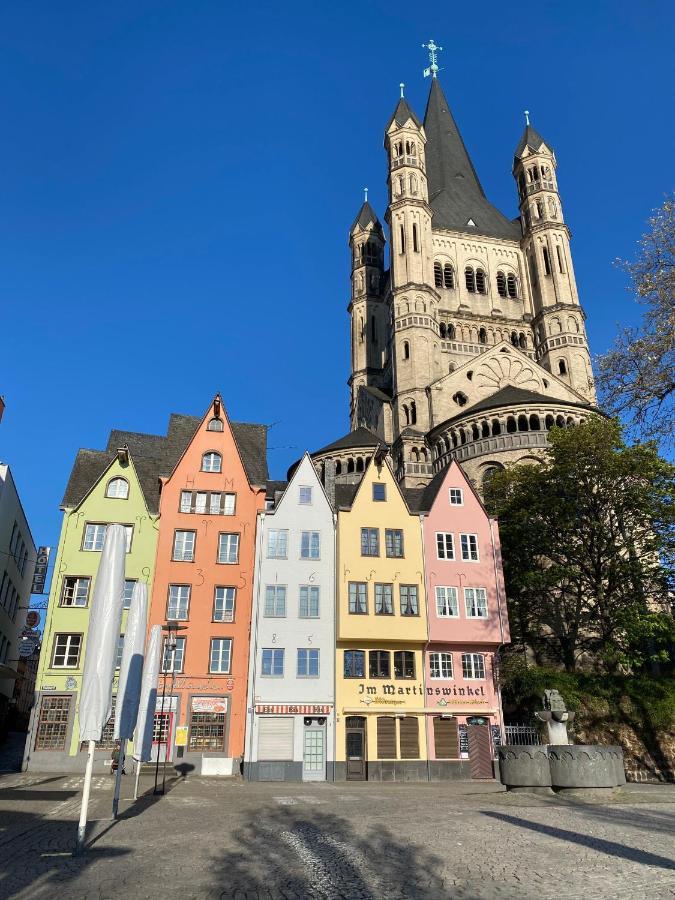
<point>512,396</point>
<point>531,138</point>
<point>155,456</point>
<point>366,216</point>
<point>361,437</point>
<point>455,193</point>
<point>402,113</point>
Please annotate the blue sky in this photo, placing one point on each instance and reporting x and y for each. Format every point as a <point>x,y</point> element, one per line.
<point>178,180</point>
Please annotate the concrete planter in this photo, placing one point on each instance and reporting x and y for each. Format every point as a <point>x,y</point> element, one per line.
<point>524,767</point>
<point>585,766</point>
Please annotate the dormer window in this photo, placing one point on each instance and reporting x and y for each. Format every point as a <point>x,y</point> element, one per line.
<point>212,462</point>
<point>117,489</point>
<point>215,425</point>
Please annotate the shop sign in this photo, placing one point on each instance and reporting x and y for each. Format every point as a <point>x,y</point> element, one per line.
<point>167,704</point>
<point>29,641</point>
<point>209,704</point>
<point>465,696</point>
<point>181,736</point>
<point>32,618</point>
<point>388,690</point>
<point>307,709</point>
<point>40,573</point>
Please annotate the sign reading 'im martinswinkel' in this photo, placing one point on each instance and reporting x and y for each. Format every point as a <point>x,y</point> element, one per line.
<point>40,573</point>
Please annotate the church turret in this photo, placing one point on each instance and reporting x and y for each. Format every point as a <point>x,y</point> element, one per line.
<point>561,345</point>
<point>368,310</point>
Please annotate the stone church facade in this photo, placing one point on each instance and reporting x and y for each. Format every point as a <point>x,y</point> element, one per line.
<point>471,344</point>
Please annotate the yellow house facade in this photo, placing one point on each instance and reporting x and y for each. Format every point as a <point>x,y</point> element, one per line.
<point>381,633</point>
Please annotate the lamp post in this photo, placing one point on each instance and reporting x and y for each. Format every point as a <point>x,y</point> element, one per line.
<point>171,630</point>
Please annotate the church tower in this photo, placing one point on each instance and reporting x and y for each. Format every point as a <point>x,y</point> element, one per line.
<point>561,345</point>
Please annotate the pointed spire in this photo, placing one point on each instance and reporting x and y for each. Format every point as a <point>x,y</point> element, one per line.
<point>455,192</point>
<point>402,112</point>
<point>531,138</point>
<point>366,217</point>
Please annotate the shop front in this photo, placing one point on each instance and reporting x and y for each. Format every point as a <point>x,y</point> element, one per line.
<point>290,742</point>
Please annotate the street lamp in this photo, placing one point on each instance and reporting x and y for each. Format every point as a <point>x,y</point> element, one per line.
<point>171,630</point>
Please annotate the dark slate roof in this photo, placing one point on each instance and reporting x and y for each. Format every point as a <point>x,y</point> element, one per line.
<point>455,193</point>
<point>274,488</point>
<point>366,216</point>
<point>510,395</point>
<point>531,138</point>
<point>413,498</point>
<point>155,456</point>
<point>362,437</point>
<point>402,113</point>
<point>376,392</point>
<point>344,495</point>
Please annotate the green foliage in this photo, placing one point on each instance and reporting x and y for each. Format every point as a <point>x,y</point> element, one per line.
<point>588,543</point>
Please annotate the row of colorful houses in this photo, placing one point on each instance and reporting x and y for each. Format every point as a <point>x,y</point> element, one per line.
<point>315,630</point>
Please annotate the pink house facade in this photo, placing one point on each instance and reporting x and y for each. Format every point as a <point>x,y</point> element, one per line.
<point>467,625</point>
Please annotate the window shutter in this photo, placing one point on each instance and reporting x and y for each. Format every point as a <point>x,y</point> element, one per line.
<point>410,738</point>
<point>386,737</point>
<point>275,737</point>
<point>446,738</point>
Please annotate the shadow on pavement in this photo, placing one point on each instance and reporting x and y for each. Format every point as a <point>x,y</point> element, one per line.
<point>317,855</point>
<point>611,848</point>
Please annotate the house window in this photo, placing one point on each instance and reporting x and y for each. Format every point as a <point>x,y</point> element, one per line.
<point>107,741</point>
<point>212,462</point>
<point>475,600</point>
<point>207,731</point>
<point>178,605</point>
<point>94,537</point>
<point>445,547</point>
<point>186,501</point>
<point>473,665</point>
<point>355,664</point>
<point>129,584</point>
<point>440,665</point>
<point>277,544</point>
<point>384,599</point>
<point>220,656</point>
<point>201,499</point>
<point>409,602</point>
<point>184,546</point>
<point>75,591</point>
<point>172,660</point>
<point>305,495</point>
<point>308,663</point>
<point>409,733</point>
<point>358,598</point>
<point>446,602</point>
<point>119,650</point>
<point>469,547</point>
<point>379,664</point>
<point>66,652</point>
<point>275,600</point>
<point>386,737</point>
<point>228,548</point>
<point>370,542</point>
<point>310,545</point>
<point>52,725</point>
<point>456,497</point>
<point>379,492</point>
<point>309,602</point>
<point>117,489</point>
<point>224,599</point>
<point>393,542</point>
<point>273,662</point>
<point>215,425</point>
<point>404,664</point>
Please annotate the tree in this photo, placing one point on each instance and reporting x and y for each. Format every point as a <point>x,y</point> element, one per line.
<point>588,548</point>
<point>636,378</point>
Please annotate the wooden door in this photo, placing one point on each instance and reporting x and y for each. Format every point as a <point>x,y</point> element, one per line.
<point>480,751</point>
<point>355,737</point>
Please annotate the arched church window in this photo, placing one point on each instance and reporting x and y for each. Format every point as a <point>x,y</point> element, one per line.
<point>416,246</point>
<point>413,413</point>
<point>552,208</point>
<point>438,274</point>
<point>514,338</point>
<point>448,276</point>
<point>480,281</point>
<point>501,284</point>
<point>523,423</point>
<point>535,424</point>
<point>402,233</point>
<point>338,468</point>
<point>413,184</point>
<point>451,333</point>
<point>547,261</point>
<point>522,341</point>
<point>406,414</point>
<point>540,209</point>
<point>350,465</point>
<point>496,427</point>
<point>512,286</point>
<point>414,455</point>
<point>470,279</point>
<point>511,425</point>
<point>460,398</point>
<point>401,185</point>
<point>215,425</point>
<point>482,336</point>
<point>406,350</point>
<point>562,367</point>
<point>443,329</point>
<point>560,421</point>
<point>359,464</point>
<point>549,421</point>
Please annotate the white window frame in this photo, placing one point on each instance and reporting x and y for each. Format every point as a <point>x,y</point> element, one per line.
<point>277,543</point>
<point>117,480</point>
<point>179,599</point>
<point>442,601</point>
<point>313,596</point>
<point>456,496</point>
<point>69,636</point>
<point>469,666</point>
<point>183,557</point>
<point>128,531</point>
<point>448,550</point>
<point>305,499</point>
<point>214,464</point>
<point>275,601</point>
<point>443,657</point>
<point>471,595</point>
<point>357,593</point>
<point>222,655</point>
<point>179,653</point>
<point>276,652</point>
<point>467,550</point>
<point>310,537</point>
<point>308,651</point>
<point>80,581</point>
<point>227,614</point>
<point>126,603</point>
<point>229,504</point>
<point>119,650</point>
<point>232,538</point>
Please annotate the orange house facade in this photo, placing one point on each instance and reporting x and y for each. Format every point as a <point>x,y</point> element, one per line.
<point>202,593</point>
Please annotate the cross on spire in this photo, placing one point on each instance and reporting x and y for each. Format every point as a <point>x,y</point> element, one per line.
<point>433,59</point>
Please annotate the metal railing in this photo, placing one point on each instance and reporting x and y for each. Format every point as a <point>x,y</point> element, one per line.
<point>521,734</point>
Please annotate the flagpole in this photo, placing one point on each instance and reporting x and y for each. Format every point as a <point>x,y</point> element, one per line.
<point>118,779</point>
<point>138,773</point>
<point>82,825</point>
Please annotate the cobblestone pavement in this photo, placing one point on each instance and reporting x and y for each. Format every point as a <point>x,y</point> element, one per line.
<point>211,838</point>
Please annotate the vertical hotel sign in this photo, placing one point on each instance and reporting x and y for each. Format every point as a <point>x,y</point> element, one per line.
<point>40,573</point>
